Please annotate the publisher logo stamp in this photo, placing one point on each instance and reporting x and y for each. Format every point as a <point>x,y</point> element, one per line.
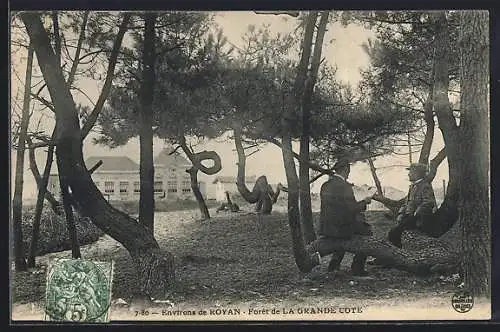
<point>462,301</point>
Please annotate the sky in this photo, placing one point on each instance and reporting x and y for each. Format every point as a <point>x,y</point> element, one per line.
<point>342,48</point>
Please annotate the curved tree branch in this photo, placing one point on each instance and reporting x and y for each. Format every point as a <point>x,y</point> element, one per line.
<point>250,196</point>
<point>81,38</point>
<point>197,158</point>
<point>92,118</point>
<point>434,164</point>
<point>36,173</point>
<point>312,165</point>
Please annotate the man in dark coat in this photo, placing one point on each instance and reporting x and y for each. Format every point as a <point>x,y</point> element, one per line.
<point>419,206</point>
<point>339,219</point>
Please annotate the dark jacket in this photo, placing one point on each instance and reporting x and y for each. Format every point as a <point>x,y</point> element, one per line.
<point>339,209</point>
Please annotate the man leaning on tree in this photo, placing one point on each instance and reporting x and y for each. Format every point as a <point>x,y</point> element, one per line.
<point>417,211</point>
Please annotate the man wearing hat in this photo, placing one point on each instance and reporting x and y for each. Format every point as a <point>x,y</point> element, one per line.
<point>419,205</point>
<point>338,219</point>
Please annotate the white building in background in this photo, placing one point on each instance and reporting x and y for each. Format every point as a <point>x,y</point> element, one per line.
<point>118,178</point>
<point>228,183</point>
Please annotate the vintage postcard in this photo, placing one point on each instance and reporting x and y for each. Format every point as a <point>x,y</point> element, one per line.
<point>249,166</point>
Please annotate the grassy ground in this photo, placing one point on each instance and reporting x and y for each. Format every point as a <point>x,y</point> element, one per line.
<point>239,256</point>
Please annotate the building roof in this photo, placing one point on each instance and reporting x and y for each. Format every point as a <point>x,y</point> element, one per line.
<point>232,179</point>
<point>165,158</point>
<point>113,164</point>
<point>125,164</point>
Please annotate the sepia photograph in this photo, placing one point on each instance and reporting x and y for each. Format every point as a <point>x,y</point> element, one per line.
<point>201,166</point>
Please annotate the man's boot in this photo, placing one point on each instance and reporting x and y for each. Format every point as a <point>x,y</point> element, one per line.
<point>335,261</point>
<point>358,265</point>
<point>395,236</point>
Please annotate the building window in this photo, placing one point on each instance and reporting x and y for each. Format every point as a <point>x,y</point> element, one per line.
<point>172,173</point>
<point>123,187</point>
<point>109,187</point>
<point>158,187</point>
<point>186,190</point>
<point>186,184</point>
<point>172,186</point>
<point>137,187</point>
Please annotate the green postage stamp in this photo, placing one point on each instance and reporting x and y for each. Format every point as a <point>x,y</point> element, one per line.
<point>78,291</point>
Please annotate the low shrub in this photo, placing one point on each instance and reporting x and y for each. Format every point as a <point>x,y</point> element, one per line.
<point>54,235</point>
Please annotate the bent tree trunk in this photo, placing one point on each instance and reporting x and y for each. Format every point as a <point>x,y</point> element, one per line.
<point>262,194</point>
<point>155,267</point>
<point>197,159</point>
<point>193,174</point>
<point>373,170</point>
<point>421,255</point>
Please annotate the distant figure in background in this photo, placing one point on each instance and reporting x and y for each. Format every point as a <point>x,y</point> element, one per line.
<point>419,206</point>
<point>340,219</point>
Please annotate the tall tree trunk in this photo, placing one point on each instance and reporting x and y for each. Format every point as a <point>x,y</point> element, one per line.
<point>446,120</point>
<point>17,201</point>
<point>193,174</point>
<point>302,259</point>
<point>373,170</point>
<point>146,199</point>
<point>66,199</point>
<point>42,190</point>
<point>155,267</point>
<point>474,213</point>
<point>305,187</point>
<point>429,129</point>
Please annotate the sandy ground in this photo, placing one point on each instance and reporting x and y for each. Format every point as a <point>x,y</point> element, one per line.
<point>239,266</point>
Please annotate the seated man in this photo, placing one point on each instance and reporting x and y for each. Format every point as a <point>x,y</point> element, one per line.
<point>419,206</point>
<point>339,219</point>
